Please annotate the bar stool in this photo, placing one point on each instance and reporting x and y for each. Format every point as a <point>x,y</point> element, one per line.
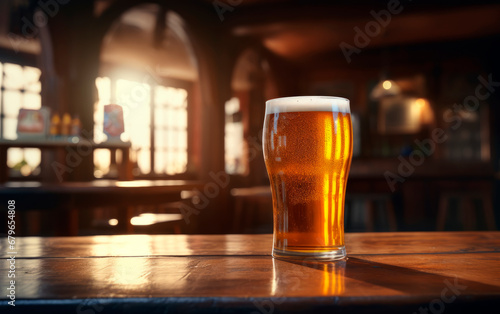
<point>247,203</point>
<point>466,209</point>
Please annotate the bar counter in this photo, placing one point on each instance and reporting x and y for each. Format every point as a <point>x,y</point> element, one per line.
<point>413,272</point>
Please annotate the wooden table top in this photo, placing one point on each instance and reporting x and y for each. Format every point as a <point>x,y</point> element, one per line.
<point>62,143</point>
<point>99,186</point>
<point>443,272</point>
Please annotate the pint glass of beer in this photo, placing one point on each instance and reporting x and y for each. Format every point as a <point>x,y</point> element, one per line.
<point>307,144</point>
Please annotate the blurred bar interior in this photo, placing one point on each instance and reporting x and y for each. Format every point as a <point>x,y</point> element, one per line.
<point>191,78</point>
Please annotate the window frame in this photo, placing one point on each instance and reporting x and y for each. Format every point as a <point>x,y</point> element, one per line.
<point>190,172</point>
<point>22,59</point>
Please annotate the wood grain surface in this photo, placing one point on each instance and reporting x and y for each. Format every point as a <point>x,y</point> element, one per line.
<point>384,273</point>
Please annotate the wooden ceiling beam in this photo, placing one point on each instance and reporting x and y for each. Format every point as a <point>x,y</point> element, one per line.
<point>299,39</point>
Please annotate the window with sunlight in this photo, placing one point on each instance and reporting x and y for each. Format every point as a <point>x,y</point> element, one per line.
<point>233,138</point>
<point>20,88</point>
<point>156,123</point>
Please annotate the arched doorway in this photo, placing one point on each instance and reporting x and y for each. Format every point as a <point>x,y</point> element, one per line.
<point>147,66</point>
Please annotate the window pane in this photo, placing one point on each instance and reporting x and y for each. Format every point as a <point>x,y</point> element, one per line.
<point>160,139</point>
<point>182,158</point>
<point>13,76</point>
<point>24,161</point>
<point>178,117</point>
<point>170,132</point>
<point>183,119</point>
<point>16,78</point>
<point>139,135</point>
<point>160,116</point>
<point>32,101</point>
<point>14,156</point>
<point>183,141</point>
<point>170,123</point>
<point>103,85</point>
<point>170,162</point>
<point>161,96</point>
<point>181,97</point>
<point>135,99</point>
<point>160,161</point>
<point>171,140</point>
<point>12,103</point>
<point>33,157</point>
<point>144,160</point>
<point>32,79</point>
<point>170,117</point>
<point>133,94</point>
<point>102,161</point>
<point>9,128</point>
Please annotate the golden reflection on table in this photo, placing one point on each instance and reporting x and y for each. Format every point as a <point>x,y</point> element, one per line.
<point>137,245</point>
<point>396,272</point>
<point>319,278</point>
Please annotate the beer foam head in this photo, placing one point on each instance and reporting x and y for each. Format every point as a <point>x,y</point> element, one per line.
<point>308,103</point>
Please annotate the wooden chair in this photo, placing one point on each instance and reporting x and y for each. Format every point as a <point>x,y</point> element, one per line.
<point>465,208</point>
<point>248,202</point>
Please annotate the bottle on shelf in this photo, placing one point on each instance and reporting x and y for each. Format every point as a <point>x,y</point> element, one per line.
<point>66,124</point>
<point>76,126</point>
<point>55,126</point>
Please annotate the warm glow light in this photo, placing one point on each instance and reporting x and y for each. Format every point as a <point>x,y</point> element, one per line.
<point>327,288</point>
<point>25,170</point>
<point>416,110</point>
<point>420,102</point>
<point>333,279</point>
<point>426,114</point>
<point>143,220</point>
<point>326,279</point>
<point>150,219</point>
<point>130,272</point>
<point>121,245</point>
<point>32,157</point>
<point>387,85</point>
<point>113,222</point>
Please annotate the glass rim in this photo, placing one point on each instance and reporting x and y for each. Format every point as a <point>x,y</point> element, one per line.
<point>308,103</point>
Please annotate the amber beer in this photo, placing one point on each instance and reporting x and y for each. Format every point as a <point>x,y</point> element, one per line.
<point>307,144</point>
